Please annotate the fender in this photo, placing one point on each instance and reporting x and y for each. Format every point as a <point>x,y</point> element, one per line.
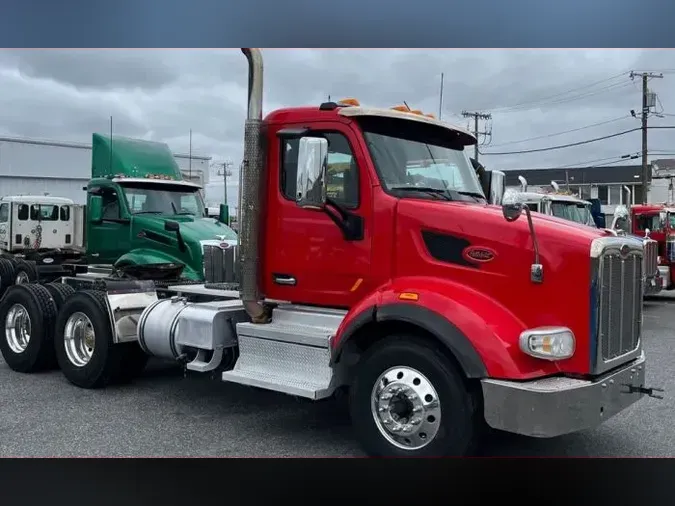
<point>484,346</point>
<point>142,256</point>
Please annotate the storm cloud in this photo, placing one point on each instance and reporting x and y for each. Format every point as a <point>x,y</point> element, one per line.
<point>162,94</point>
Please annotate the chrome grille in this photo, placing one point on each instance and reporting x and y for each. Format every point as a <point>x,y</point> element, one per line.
<point>620,303</point>
<point>651,254</point>
<point>220,264</point>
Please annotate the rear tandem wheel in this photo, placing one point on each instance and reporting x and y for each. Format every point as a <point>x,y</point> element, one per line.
<point>85,350</point>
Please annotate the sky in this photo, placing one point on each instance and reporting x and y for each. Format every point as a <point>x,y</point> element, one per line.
<point>162,94</point>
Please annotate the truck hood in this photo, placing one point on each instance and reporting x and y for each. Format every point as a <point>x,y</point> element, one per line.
<point>194,230</point>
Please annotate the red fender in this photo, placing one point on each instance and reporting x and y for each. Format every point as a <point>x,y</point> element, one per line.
<point>482,334</point>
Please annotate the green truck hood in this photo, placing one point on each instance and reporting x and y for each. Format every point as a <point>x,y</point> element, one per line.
<point>149,234</point>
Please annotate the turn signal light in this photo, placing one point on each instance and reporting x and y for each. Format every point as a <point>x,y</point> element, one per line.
<point>548,343</point>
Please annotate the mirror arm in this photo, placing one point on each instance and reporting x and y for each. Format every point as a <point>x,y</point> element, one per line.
<point>351,225</point>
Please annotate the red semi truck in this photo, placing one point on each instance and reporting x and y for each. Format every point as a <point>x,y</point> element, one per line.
<point>438,310</point>
<point>657,221</point>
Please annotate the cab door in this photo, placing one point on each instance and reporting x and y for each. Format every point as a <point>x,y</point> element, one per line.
<point>110,238</point>
<point>307,257</point>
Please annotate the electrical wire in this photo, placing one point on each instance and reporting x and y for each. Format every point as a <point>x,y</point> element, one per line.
<point>579,143</point>
<point>540,101</point>
<point>627,116</point>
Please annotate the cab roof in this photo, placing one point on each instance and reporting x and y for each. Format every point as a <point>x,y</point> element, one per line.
<point>328,109</point>
<point>38,199</point>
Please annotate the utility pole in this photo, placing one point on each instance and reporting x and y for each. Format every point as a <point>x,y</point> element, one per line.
<point>647,104</point>
<point>476,116</point>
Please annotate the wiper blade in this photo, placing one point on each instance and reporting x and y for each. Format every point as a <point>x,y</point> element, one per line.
<point>185,213</point>
<point>424,189</point>
<point>148,212</point>
<point>471,194</point>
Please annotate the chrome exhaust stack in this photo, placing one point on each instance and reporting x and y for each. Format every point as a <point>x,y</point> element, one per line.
<point>250,189</point>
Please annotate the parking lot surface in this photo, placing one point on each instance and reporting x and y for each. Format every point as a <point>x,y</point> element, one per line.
<point>164,414</point>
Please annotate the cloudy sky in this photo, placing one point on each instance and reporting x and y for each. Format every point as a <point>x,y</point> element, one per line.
<point>162,94</point>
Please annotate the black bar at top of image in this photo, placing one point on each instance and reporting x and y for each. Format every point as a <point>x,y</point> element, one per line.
<point>229,482</point>
<point>348,23</point>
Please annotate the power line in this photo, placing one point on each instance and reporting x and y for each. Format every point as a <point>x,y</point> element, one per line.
<point>564,131</point>
<point>562,94</point>
<point>572,144</point>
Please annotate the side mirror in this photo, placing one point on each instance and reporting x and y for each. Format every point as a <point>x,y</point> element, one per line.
<point>647,231</point>
<point>494,186</point>
<point>512,212</point>
<point>663,218</point>
<point>95,210</point>
<point>224,214</point>
<point>311,177</point>
<point>171,226</point>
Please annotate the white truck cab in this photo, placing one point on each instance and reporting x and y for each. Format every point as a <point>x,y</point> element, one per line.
<point>40,222</point>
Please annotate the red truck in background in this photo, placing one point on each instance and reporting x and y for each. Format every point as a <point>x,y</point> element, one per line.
<point>656,221</point>
<point>395,278</point>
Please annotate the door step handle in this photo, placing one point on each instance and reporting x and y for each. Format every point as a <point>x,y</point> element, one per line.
<point>284,279</point>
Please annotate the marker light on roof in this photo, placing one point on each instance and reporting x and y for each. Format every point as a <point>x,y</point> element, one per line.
<point>417,111</point>
<point>430,116</point>
<point>350,101</point>
<point>402,108</point>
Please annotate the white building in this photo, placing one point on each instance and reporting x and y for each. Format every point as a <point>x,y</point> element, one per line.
<point>30,166</point>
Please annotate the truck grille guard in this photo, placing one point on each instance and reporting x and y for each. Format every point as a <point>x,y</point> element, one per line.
<point>616,292</point>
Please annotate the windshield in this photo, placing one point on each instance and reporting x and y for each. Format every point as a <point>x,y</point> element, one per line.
<point>572,211</point>
<point>409,155</point>
<point>165,199</point>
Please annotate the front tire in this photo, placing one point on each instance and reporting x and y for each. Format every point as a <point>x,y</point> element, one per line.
<point>409,400</point>
<point>84,344</point>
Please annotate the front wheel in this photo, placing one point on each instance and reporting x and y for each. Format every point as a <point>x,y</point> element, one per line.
<point>409,400</point>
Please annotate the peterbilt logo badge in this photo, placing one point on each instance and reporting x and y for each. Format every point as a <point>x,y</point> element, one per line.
<point>478,254</point>
<point>624,250</point>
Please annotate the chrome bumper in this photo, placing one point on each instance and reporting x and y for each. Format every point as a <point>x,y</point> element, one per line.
<point>551,407</point>
<point>664,271</point>
<point>654,284</point>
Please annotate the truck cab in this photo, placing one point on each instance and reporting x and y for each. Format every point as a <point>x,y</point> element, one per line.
<point>141,212</point>
<point>656,221</point>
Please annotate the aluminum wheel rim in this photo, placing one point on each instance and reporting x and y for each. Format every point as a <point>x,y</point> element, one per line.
<point>21,278</point>
<point>79,339</point>
<point>406,408</point>
<point>17,328</point>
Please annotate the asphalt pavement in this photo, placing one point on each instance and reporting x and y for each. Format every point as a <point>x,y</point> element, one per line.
<point>165,414</point>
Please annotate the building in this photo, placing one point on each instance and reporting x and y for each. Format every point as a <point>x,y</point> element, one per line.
<point>61,169</point>
<point>604,183</point>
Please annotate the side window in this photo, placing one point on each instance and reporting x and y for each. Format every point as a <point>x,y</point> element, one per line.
<point>4,213</point>
<point>111,205</point>
<point>22,213</point>
<point>342,174</point>
<point>65,213</point>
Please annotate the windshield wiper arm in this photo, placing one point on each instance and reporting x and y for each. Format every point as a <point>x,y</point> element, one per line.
<point>148,212</point>
<point>424,189</point>
<point>471,194</point>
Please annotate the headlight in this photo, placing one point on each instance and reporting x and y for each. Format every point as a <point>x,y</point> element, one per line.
<point>548,343</point>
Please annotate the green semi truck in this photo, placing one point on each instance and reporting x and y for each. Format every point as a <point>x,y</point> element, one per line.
<point>141,219</point>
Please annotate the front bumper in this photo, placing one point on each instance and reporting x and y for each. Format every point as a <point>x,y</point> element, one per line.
<point>551,407</point>
<point>653,284</point>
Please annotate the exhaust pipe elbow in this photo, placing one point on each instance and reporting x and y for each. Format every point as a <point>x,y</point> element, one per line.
<point>523,183</point>
<point>555,186</point>
<point>255,82</point>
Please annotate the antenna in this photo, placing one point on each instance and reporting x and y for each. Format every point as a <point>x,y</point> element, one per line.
<point>440,99</point>
<point>190,154</point>
<point>111,146</point>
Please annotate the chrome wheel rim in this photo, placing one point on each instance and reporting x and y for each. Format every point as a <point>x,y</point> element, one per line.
<point>21,278</point>
<point>17,328</point>
<point>406,408</point>
<point>79,339</point>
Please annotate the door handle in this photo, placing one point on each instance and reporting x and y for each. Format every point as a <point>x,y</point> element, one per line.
<point>284,279</point>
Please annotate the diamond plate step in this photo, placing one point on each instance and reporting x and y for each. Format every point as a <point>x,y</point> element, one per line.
<point>280,366</point>
<point>287,332</point>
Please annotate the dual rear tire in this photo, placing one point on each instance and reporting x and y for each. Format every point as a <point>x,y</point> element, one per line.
<point>52,325</point>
